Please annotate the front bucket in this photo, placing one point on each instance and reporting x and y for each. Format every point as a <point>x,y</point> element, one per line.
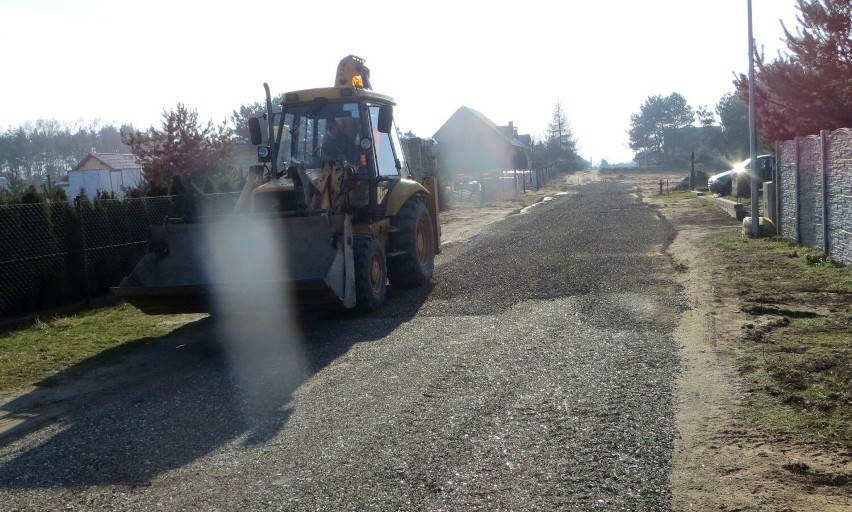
<point>207,265</point>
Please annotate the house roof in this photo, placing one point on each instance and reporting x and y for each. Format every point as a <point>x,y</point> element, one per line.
<point>112,161</point>
<point>483,120</point>
<point>525,139</point>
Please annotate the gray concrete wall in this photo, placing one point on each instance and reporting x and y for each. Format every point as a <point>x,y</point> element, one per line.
<point>810,192</point>
<point>787,218</point>
<point>839,200</point>
<point>815,191</point>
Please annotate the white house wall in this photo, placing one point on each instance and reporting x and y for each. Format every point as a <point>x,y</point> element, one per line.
<point>94,181</point>
<point>124,179</point>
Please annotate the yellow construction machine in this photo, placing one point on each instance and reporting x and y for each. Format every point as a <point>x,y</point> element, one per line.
<point>329,216</point>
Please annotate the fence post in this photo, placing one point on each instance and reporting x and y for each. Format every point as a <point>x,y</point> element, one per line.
<point>692,172</point>
<point>79,207</point>
<point>776,177</point>
<point>796,142</point>
<point>823,145</point>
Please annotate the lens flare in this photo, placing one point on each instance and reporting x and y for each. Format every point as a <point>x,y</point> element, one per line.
<point>253,313</point>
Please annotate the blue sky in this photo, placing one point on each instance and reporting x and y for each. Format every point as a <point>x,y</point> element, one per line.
<point>121,62</point>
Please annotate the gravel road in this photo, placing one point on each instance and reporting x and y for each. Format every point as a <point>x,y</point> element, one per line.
<point>535,373</point>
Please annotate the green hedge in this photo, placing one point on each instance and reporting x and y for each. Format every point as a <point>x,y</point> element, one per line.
<point>53,254</point>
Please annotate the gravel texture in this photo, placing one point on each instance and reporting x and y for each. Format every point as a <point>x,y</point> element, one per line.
<point>535,373</point>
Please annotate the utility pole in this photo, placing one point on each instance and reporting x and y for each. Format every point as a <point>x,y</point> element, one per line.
<point>752,133</point>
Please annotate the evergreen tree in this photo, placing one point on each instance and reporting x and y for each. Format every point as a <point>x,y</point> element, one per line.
<point>733,113</point>
<point>657,116</point>
<point>560,141</point>
<point>181,146</point>
<point>705,116</point>
<point>810,88</point>
<point>240,117</point>
<point>49,148</point>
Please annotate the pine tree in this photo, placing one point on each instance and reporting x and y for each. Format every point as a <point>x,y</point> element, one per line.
<point>181,146</point>
<point>733,114</point>
<point>657,116</point>
<point>560,141</point>
<point>810,88</point>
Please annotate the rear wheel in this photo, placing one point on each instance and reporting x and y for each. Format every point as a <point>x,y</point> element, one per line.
<point>370,273</point>
<point>415,239</point>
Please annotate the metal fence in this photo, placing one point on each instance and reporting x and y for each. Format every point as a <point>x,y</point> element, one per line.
<point>541,175</point>
<point>485,187</point>
<point>55,254</point>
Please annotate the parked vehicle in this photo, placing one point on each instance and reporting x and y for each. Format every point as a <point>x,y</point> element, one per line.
<point>738,177</point>
<point>720,183</point>
<point>742,174</point>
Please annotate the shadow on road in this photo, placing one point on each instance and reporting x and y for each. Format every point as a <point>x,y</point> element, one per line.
<point>158,404</point>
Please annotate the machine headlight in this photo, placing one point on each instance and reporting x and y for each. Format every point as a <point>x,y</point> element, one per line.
<point>263,153</point>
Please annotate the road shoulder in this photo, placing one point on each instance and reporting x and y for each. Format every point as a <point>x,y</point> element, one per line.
<point>722,462</point>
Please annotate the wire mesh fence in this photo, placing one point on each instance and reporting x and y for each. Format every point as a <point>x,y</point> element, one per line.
<point>485,187</point>
<point>54,254</point>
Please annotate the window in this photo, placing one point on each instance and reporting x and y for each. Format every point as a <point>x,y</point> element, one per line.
<point>383,147</point>
<point>397,149</point>
<point>305,132</point>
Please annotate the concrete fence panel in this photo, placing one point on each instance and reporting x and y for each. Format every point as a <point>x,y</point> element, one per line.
<point>839,194</point>
<point>810,191</point>
<point>814,175</point>
<point>787,217</point>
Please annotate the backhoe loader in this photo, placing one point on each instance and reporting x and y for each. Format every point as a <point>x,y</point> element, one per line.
<point>328,217</point>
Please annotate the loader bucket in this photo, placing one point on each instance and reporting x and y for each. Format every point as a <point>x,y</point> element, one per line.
<point>212,264</point>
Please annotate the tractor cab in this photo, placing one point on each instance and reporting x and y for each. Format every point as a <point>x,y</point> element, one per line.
<point>351,127</point>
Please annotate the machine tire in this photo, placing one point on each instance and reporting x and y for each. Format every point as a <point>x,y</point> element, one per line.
<point>370,273</point>
<point>415,238</point>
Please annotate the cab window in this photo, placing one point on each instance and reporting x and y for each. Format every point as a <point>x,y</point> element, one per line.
<point>397,149</point>
<point>383,147</point>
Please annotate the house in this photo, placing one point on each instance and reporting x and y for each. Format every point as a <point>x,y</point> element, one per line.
<point>471,144</point>
<point>103,172</point>
<point>244,155</point>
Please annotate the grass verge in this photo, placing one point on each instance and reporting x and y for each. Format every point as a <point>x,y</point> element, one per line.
<point>31,354</point>
<point>797,351</point>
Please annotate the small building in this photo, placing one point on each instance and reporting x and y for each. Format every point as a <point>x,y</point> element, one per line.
<point>243,157</point>
<point>112,173</point>
<point>471,144</point>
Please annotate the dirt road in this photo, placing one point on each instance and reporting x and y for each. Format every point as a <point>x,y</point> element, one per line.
<point>560,361</point>
<point>536,372</point>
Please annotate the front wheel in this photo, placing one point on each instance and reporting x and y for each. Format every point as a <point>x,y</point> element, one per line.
<point>370,273</point>
<point>416,242</point>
